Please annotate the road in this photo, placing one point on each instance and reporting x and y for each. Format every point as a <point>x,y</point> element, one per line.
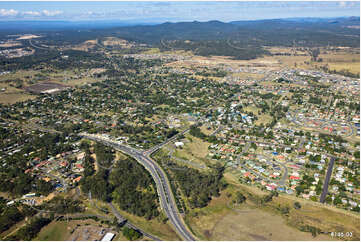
<point>37,47</point>
<point>157,147</point>
<point>327,180</point>
<point>217,130</point>
<point>165,194</point>
<point>121,219</point>
<point>61,180</point>
<point>284,177</point>
<point>246,147</point>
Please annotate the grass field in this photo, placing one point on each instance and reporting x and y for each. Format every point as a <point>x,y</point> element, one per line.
<point>56,230</point>
<point>12,229</point>
<point>218,221</point>
<point>194,151</point>
<point>263,119</point>
<point>151,51</point>
<point>246,75</point>
<point>63,230</point>
<point>345,59</point>
<point>265,226</point>
<point>121,237</point>
<point>10,98</point>
<point>205,130</point>
<point>12,95</point>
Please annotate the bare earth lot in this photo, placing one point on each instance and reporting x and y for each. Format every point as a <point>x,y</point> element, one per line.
<point>45,87</point>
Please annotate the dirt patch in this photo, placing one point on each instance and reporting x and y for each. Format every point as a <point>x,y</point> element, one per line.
<point>10,44</point>
<point>28,36</point>
<point>89,232</point>
<point>112,41</point>
<point>46,87</point>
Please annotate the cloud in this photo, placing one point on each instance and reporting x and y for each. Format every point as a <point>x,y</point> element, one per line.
<point>342,4</point>
<point>51,13</point>
<point>31,13</point>
<point>10,12</point>
<point>6,13</point>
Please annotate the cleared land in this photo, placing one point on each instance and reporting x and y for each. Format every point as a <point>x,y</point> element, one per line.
<point>11,98</point>
<point>72,230</point>
<point>45,87</point>
<point>336,58</point>
<point>28,36</point>
<point>20,85</point>
<point>218,221</point>
<point>195,150</point>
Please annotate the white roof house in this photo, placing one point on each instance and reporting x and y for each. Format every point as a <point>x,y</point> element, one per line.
<point>178,144</point>
<point>108,237</point>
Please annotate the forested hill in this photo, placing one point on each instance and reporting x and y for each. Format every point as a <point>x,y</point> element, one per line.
<point>253,32</point>
<point>306,31</point>
<point>240,39</point>
<point>246,39</point>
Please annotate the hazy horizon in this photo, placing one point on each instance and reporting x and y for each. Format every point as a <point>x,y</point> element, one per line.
<point>152,12</point>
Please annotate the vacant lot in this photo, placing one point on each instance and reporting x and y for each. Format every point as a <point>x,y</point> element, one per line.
<point>342,60</point>
<point>265,226</point>
<point>195,150</point>
<point>10,98</point>
<point>218,221</point>
<point>247,75</point>
<point>62,230</point>
<point>45,87</point>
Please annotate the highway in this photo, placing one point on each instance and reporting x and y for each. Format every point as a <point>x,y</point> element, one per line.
<point>37,47</point>
<point>327,180</point>
<point>165,194</point>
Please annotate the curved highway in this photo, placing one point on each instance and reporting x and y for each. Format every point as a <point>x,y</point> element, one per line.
<point>165,194</point>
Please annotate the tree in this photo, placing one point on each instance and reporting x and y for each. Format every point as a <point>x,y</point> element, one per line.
<point>356,154</point>
<point>240,198</point>
<point>297,205</point>
<point>285,210</point>
<point>131,234</point>
<point>30,230</point>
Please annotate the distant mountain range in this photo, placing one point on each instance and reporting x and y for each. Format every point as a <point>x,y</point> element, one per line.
<point>241,39</point>
<point>51,25</point>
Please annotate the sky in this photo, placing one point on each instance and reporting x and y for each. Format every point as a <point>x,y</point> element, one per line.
<point>174,11</point>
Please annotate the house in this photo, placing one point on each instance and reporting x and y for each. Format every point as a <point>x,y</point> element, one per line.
<point>108,237</point>
<point>77,179</point>
<point>281,189</point>
<point>306,196</point>
<point>294,177</point>
<point>179,144</point>
<point>10,203</point>
<point>80,156</point>
<point>271,187</point>
<point>47,179</point>
<point>29,195</point>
